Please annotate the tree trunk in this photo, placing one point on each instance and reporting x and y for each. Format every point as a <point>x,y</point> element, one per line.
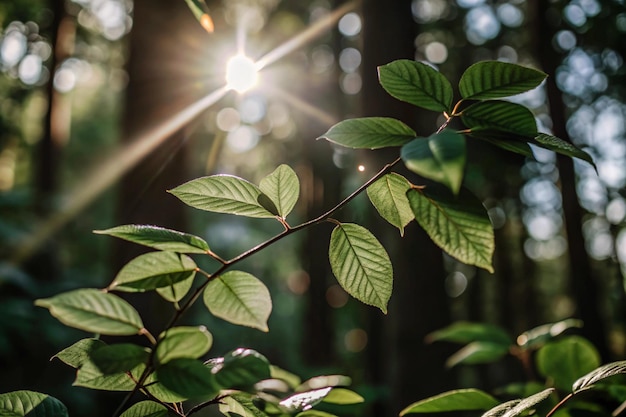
<point>585,289</point>
<point>397,353</point>
<point>163,70</point>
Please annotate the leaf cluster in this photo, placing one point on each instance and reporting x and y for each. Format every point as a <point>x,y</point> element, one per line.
<point>171,370</point>
<point>569,364</point>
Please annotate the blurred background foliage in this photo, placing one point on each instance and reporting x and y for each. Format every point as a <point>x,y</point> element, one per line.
<point>81,81</point>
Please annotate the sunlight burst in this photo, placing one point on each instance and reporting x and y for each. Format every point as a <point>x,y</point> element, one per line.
<point>241,73</point>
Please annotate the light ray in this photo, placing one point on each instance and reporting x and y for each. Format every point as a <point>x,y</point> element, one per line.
<point>305,107</point>
<point>127,157</point>
<point>305,36</point>
<point>112,170</point>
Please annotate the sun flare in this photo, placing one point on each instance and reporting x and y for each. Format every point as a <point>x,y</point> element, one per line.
<point>241,73</point>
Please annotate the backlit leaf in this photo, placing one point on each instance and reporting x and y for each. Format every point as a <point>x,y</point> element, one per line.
<point>80,352</point>
<point>495,79</point>
<point>440,157</point>
<point>314,413</point>
<point>370,133</point>
<point>343,396</point>
<point>323,381</point>
<point>566,360</point>
<point>158,238</point>
<point>90,376</point>
<point>283,188</point>
<point>146,409</point>
<point>361,264</point>
<point>416,83</point>
<point>177,291</point>
<point>541,334</point>
<point>241,369</point>
<point>238,405</point>
<point>502,116</point>
<point>32,404</point>
<point>502,409</point>
<point>240,298</point>
<point>598,374</point>
<point>466,332</point>
<point>526,403</point>
<point>183,342</point>
<point>560,146</point>
<point>94,311</point>
<point>188,378</point>
<point>154,270</point>
<point>119,358</point>
<point>459,225</point>
<point>223,194</point>
<point>388,195</point>
<point>200,11</point>
<point>304,400</point>
<point>478,352</point>
<point>457,400</point>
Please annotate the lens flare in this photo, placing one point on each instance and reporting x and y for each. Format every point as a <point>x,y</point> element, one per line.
<point>241,73</point>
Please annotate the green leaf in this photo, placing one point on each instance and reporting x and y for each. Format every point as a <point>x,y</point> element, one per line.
<point>388,195</point>
<point>566,360</point>
<point>188,378</point>
<point>541,334</point>
<point>440,157</point>
<point>240,298</point>
<point>526,403</point>
<point>241,369</point>
<point>160,392</point>
<point>459,225</point>
<point>323,381</point>
<point>502,409</point>
<point>283,188</point>
<point>504,140</point>
<point>315,413</point>
<point>32,404</point>
<point>200,11</point>
<point>478,352</point>
<point>94,311</point>
<point>457,400</point>
<point>370,133</point>
<point>416,83</point>
<point>158,238</point>
<point>223,194</point>
<point>343,396</point>
<point>175,292</point>
<point>598,374</point>
<point>502,116</point>
<point>292,380</point>
<point>119,358</point>
<point>90,376</point>
<point>304,400</point>
<point>494,79</point>
<point>154,270</point>
<point>239,405</point>
<point>80,352</point>
<point>146,409</point>
<point>361,264</point>
<point>564,148</point>
<point>466,332</point>
<point>183,342</point>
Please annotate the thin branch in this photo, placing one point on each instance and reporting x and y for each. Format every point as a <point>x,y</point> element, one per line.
<point>199,407</point>
<point>563,401</point>
<point>228,263</point>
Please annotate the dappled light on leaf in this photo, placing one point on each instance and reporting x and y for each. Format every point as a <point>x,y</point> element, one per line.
<point>361,264</point>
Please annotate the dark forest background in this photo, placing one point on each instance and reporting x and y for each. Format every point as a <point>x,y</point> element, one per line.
<point>83,81</point>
